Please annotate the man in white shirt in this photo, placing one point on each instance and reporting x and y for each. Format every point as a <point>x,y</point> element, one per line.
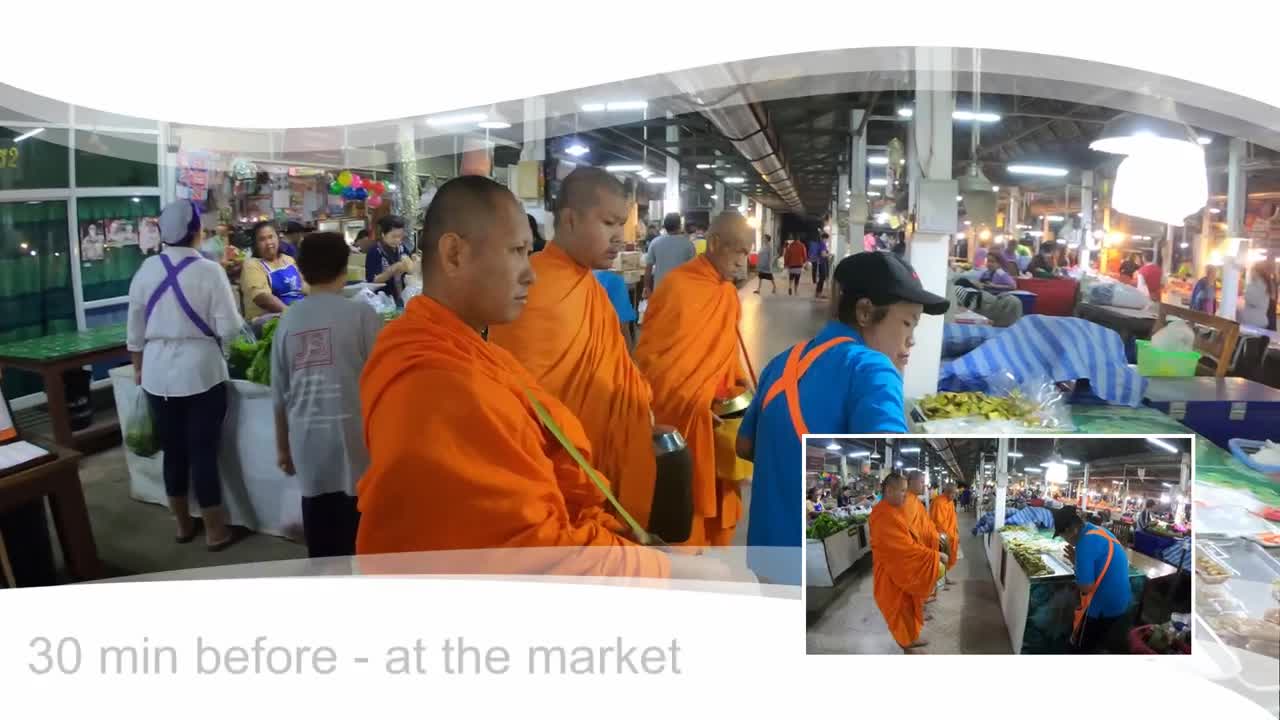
<point>667,252</point>
<point>181,314</point>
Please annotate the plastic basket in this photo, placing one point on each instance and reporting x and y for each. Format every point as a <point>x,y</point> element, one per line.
<point>1243,451</point>
<point>1153,362</point>
<point>1138,643</point>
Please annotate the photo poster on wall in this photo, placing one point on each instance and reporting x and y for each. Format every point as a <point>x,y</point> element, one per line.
<point>148,234</point>
<point>92,241</point>
<point>193,176</point>
<point>121,233</point>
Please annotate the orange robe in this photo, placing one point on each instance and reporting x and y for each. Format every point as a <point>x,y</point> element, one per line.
<point>921,524</point>
<point>570,340</point>
<point>943,513</point>
<point>689,352</point>
<point>459,459</point>
<point>904,571</point>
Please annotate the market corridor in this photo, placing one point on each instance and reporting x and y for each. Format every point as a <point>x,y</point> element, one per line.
<point>966,619</point>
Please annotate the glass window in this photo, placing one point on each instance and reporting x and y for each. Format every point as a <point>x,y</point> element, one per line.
<point>109,231</point>
<point>34,162</point>
<point>116,159</point>
<point>35,280</point>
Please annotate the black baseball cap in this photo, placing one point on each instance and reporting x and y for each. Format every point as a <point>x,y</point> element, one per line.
<point>1063,519</point>
<point>884,278</point>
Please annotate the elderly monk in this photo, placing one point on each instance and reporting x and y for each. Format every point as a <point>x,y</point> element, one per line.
<point>459,458</point>
<point>569,338</point>
<point>918,515</point>
<point>904,569</point>
<point>942,511</point>
<point>689,352</point>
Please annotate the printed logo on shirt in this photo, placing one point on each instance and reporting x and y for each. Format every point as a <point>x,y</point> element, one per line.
<point>316,348</point>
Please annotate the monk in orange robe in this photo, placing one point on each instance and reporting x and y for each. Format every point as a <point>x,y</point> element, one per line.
<point>689,351</point>
<point>459,458</point>
<point>943,513</point>
<point>904,569</point>
<point>918,515</point>
<point>570,340</point>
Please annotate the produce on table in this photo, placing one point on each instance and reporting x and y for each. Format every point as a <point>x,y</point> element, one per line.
<point>827,524</point>
<point>252,360</point>
<point>1027,547</point>
<point>1210,570</point>
<point>946,405</point>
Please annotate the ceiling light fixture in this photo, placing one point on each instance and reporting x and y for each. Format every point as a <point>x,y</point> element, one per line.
<point>703,166</point>
<point>878,160</point>
<point>624,168</point>
<point>1163,445</point>
<point>461,119</point>
<point>905,112</point>
<point>735,180</point>
<point>969,115</point>
<point>833,445</point>
<point>29,134</point>
<point>1041,170</point>
<point>577,149</point>
<point>878,182</point>
<point>495,125</point>
<point>657,181</point>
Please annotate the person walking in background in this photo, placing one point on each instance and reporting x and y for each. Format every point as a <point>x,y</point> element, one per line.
<point>1204,296</point>
<point>813,249</point>
<point>794,257</point>
<point>539,242</point>
<point>181,313</point>
<point>764,266</point>
<point>1153,277</point>
<point>320,348</point>
<point>1260,297</point>
<point>822,264</point>
<point>667,252</point>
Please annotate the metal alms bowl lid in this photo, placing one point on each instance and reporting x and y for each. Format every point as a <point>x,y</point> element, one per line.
<point>735,404</point>
<point>667,439</point>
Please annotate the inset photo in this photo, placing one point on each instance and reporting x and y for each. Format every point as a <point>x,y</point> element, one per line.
<point>1011,545</point>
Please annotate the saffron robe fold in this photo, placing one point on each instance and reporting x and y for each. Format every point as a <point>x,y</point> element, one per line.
<point>943,513</point>
<point>569,339</point>
<point>688,352</point>
<point>904,571</point>
<point>459,459</point>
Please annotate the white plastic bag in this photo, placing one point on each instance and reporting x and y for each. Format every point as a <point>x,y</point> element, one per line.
<point>140,432</point>
<point>1176,336</point>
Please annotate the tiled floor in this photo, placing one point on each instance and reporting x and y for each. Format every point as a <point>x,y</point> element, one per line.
<point>134,537</point>
<point>966,618</point>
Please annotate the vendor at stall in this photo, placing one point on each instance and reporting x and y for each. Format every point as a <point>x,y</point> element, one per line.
<point>1102,578</point>
<point>269,282</point>
<point>387,261</point>
<point>1204,296</point>
<point>997,275</point>
<point>1041,266</point>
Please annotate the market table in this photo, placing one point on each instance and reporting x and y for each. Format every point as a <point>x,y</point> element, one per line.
<point>50,356</point>
<point>1218,408</point>
<point>58,481</point>
<point>1132,324</point>
<point>1152,544</point>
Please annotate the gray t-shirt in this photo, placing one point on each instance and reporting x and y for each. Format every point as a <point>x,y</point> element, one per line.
<point>764,259</point>
<point>666,253</point>
<point>318,352</point>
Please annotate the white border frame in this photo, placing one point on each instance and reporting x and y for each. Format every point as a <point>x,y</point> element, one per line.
<point>804,442</point>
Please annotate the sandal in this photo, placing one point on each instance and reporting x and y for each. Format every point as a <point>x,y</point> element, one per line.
<point>196,526</point>
<point>236,534</point>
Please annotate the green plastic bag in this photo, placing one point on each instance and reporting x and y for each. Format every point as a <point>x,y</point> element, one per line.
<point>140,437</point>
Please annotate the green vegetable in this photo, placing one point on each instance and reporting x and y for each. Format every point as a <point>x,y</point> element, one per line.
<point>260,369</point>
<point>241,357</point>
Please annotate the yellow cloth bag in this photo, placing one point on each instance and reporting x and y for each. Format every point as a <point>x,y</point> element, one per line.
<point>728,465</point>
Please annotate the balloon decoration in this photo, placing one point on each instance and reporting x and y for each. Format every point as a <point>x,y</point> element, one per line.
<point>354,188</point>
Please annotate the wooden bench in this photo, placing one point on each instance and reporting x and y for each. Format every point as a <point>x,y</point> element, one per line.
<point>1218,346</point>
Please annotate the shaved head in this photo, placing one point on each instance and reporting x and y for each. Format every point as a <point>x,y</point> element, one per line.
<point>915,481</point>
<point>475,251</point>
<point>949,489</point>
<point>591,213</point>
<point>894,489</point>
<point>729,242</point>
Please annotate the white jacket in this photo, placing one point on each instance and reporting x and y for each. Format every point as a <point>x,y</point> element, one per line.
<point>1255,302</point>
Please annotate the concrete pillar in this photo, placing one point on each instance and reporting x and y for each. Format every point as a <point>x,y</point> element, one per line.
<point>406,174</point>
<point>534,127</point>
<point>671,194</point>
<point>1236,195</point>
<point>928,252</point>
<point>1086,219</point>
<point>1166,254</point>
<point>859,205</point>
<point>1084,489</point>
<point>717,205</point>
<point>1203,243</point>
<point>759,224</point>
<point>1002,470</point>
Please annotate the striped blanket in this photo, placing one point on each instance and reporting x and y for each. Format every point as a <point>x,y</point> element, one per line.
<point>1040,348</point>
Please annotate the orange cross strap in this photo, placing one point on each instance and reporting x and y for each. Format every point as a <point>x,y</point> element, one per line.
<point>789,383</point>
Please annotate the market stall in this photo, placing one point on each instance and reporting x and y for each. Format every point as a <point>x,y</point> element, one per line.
<point>1036,585</point>
<point>833,545</point>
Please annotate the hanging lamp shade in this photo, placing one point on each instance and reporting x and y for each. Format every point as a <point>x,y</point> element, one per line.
<point>1163,176</point>
<point>1128,133</point>
<point>979,198</point>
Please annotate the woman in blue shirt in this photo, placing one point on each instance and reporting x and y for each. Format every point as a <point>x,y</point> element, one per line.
<point>848,380</point>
